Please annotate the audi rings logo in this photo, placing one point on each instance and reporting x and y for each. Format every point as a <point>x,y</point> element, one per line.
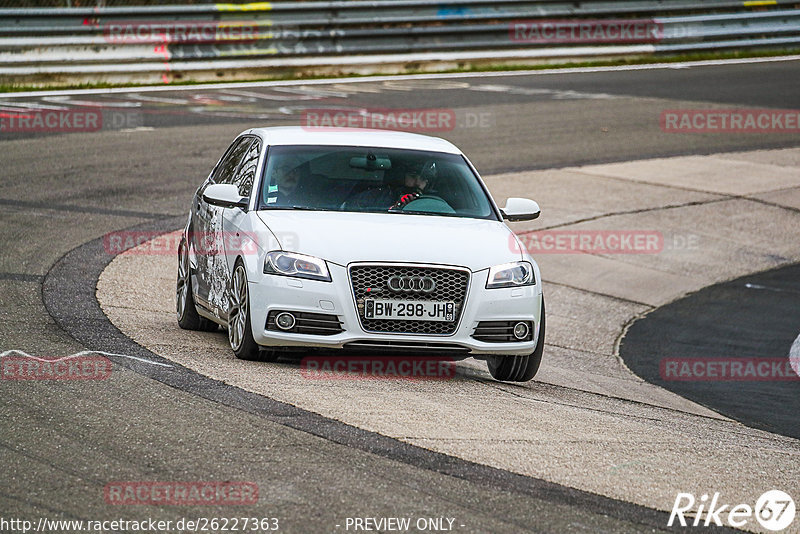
<point>413,284</point>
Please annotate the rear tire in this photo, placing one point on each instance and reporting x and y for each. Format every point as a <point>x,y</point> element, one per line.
<point>519,368</point>
<point>188,318</point>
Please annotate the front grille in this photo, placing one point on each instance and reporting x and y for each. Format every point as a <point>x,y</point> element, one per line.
<point>500,331</point>
<point>371,281</point>
<point>318,324</point>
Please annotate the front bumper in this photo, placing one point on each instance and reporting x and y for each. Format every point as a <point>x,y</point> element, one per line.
<point>271,292</point>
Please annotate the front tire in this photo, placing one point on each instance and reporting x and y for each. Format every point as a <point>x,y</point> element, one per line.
<point>519,368</point>
<point>240,331</point>
<point>188,318</point>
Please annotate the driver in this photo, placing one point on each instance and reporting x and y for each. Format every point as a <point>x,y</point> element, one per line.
<point>414,184</point>
<point>416,180</point>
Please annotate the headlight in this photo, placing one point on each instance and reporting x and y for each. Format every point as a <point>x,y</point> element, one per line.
<point>297,265</point>
<point>511,275</point>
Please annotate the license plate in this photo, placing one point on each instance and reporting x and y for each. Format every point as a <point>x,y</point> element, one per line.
<point>409,310</point>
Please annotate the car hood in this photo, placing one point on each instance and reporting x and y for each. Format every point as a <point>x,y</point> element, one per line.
<point>344,238</point>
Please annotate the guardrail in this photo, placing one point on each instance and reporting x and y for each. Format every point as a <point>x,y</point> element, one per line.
<point>171,42</point>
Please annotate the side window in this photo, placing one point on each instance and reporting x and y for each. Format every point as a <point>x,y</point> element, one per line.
<point>247,172</point>
<point>227,167</point>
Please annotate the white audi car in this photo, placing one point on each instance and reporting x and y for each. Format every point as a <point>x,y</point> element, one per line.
<point>364,240</point>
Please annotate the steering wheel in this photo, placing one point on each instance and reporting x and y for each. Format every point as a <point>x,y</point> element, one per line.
<point>430,204</point>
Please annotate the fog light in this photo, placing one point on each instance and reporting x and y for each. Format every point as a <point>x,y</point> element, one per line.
<point>521,330</point>
<point>284,321</point>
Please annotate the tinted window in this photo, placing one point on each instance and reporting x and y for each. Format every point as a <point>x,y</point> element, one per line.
<point>247,172</point>
<point>227,167</point>
<point>369,179</point>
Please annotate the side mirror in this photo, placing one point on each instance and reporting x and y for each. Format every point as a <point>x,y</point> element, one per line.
<point>520,209</point>
<point>225,196</point>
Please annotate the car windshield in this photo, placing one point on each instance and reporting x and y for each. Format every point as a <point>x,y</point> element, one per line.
<point>372,179</point>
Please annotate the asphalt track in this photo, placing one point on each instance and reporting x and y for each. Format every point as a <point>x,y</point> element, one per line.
<point>726,321</point>
<point>62,442</point>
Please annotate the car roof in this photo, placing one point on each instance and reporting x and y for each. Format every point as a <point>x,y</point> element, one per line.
<point>299,135</point>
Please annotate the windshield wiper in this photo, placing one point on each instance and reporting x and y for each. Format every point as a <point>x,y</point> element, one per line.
<point>432,214</point>
<point>304,208</point>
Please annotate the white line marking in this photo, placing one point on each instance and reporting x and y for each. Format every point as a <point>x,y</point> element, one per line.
<point>268,96</point>
<point>767,288</point>
<point>556,94</point>
<point>372,79</point>
<point>138,129</point>
<point>64,99</point>
<point>32,105</point>
<point>758,286</point>
<point>794,356</point>
<point>81,353</point>
<point>311,92</point>
<point>159,99</point>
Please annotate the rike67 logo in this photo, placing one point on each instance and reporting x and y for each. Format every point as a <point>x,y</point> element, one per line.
<point>774,510</point>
